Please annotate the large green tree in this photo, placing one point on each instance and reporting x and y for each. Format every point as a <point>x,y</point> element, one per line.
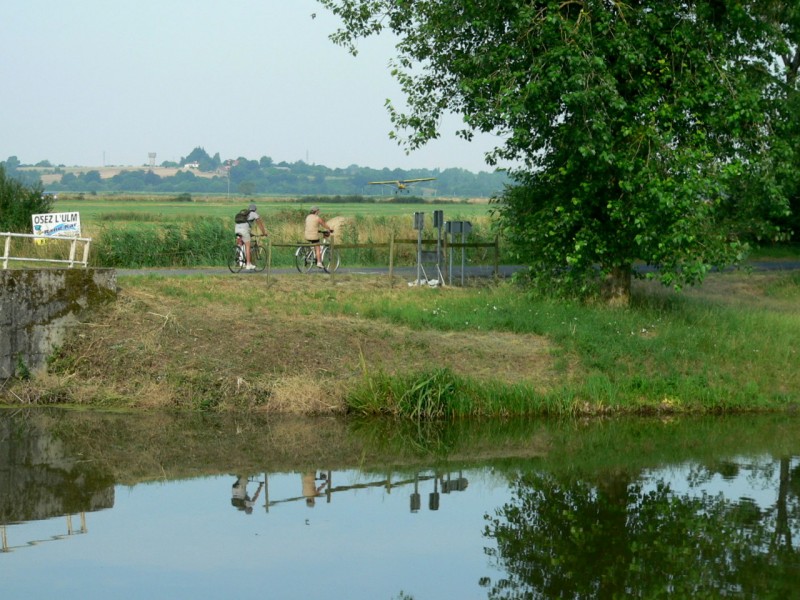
<point>642,130</point>
<point>785,15</point>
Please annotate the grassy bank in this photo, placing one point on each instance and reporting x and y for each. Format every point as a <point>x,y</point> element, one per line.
<point>353,344</point>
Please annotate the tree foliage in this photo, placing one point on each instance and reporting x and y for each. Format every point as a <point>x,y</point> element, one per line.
<point>643,131</point>
<point>18,202</point>
<point>786,16</point>
<point>204,161</point>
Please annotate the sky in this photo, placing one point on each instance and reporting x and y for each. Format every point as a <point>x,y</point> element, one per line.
<point>102,83</point>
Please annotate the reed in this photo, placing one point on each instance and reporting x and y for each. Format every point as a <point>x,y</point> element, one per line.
<point>131,239</point>
<point>440,394</point>
<point>198,242</point>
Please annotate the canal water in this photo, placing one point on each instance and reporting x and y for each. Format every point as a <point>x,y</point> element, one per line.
<point>96,505</point>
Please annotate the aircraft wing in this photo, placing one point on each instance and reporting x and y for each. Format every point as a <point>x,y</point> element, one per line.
<point>395,182</point>
<point>416,180</point>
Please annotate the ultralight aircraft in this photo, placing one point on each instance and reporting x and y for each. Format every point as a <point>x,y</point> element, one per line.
<point>401,184</point>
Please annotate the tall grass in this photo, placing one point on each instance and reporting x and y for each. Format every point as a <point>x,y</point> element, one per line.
<point>198,242</point>
<point>149,239</point>
<point>440,394</point>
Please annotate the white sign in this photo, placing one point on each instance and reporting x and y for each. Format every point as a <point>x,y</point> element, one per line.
<point>57,224</point>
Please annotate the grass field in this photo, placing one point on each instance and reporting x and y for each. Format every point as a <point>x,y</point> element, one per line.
<point>133,212</point>
<point>121,209</point>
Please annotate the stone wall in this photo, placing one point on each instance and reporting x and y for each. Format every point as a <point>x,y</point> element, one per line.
<point>38,306</point>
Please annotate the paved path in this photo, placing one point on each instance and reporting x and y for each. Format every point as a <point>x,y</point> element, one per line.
<point>405,272</point>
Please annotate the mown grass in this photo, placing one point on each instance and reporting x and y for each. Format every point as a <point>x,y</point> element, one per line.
<point>664,354</point>
<point>356,345</point>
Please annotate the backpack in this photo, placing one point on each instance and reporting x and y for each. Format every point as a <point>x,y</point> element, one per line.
<point>241,216</point>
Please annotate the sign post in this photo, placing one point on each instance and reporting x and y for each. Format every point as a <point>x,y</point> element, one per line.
<point>419,225</point>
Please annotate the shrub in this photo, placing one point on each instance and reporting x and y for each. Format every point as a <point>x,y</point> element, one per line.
<point>18,202</point>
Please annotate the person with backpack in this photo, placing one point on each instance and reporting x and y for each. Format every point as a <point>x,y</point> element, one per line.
<point>244,221</point>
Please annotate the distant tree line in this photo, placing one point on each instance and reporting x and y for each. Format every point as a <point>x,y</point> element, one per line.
<point>263,176</point>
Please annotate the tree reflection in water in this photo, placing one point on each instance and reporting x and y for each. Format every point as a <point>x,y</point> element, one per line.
<point>614,536</point>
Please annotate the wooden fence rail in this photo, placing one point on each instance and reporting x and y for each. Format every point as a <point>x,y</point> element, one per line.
<point>393,243</point>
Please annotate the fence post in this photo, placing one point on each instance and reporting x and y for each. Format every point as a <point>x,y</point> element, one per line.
<point>391,259</point>
<point>73,246</point>
<point>447,262</point>
<point>269,258</point>
<point>333,255</point>
<point>86,253</point>
<point>496,257</point>
<point>7,251</point>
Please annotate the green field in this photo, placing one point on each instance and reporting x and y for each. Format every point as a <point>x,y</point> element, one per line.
<point>94,211</point>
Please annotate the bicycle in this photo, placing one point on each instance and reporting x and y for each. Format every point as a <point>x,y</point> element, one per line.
<point>305,258</point>
<point>237,259</point>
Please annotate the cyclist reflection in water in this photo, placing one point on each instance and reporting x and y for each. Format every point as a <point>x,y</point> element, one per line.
<point>239,496</point>
<point>310,488</point>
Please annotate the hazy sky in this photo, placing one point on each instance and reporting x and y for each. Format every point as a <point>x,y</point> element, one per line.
<point>93,82</point>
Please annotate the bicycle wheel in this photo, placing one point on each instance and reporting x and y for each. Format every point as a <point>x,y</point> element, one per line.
<point>259,257</point>
<point>330,258</point>
<point>236,259</point>
<point>304,258</point>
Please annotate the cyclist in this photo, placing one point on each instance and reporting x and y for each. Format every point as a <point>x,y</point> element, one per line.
<point>244,221</point>
<point>312,231</point>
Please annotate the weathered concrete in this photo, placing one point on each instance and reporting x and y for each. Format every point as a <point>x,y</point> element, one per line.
<point>38,307</point>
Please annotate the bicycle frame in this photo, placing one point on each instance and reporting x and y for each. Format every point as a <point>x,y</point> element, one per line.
<point>237,258</point>
<point>305,257</point>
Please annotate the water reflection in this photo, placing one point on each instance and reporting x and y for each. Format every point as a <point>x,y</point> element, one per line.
<point>705,507</point>
<point>41,479</point>
<point>319,484</point>
<point>241,498</point>
<point>612,535</point>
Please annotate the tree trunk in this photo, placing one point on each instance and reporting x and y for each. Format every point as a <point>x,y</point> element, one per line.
<point>616,287</point>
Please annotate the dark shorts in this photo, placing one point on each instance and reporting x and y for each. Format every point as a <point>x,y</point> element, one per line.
<point>316,241</point>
